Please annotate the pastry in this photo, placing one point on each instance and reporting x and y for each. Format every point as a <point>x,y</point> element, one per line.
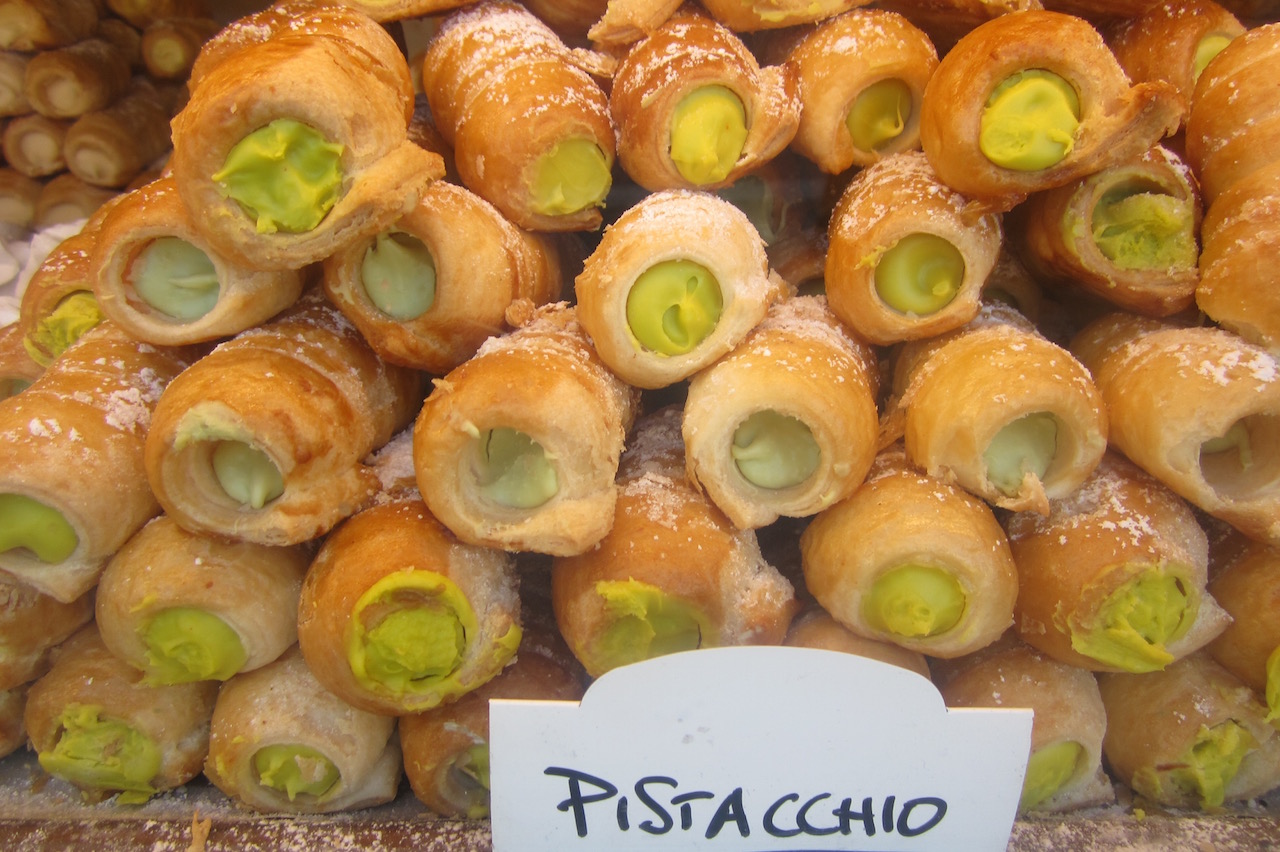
<point>571,19</point>
<point>34,25</point>
<point>13,74</point>
<point>624,22</point>
<point>169,46</point>
<point>814,627</point>
<point>775,14</point>
<point>947,21</point>
<point>13,736</point>
<point>81,77</point>
<point>143,13</point>
<point>32,626</point>
<point>1243,579</point>
<point>58,304</point>
<point>65,198</point>
<point>19,195</point>
<point>111,146</point>
<point>17,368</point>
<point>35,145</point>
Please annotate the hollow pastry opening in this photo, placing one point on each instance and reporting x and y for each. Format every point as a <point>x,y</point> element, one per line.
<point>510,469</point>
<point>1209,46</point>
<point>286,175</point>
<point>95,751</point>
<point>245,474</point>
<point>1140,225</point>
<point>1022,447</point>
<point>174,278</point>
<point>1245,460</point>
<point>1029,121</point>
<point>1049,768</point>
<point>463,781</point>
<point>398,275</point>
<point>773,450</point>
<point>12,386</point>
<point>643,621</point>
<point>74,314</point>
<point>880,114</point>
<point>673,306</point>
<point>574,175</point>
<point>1131,627</point>
<point>754,196</point>
<point>708,133</point>
<point>914,600</point>
<point>1204,770</point>
<point>186,644</point>
<point>31,526</point>
<point>295,770</point>
<point>920,274</point>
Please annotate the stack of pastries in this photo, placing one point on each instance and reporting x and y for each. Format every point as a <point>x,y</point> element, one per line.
<point>618,329</point>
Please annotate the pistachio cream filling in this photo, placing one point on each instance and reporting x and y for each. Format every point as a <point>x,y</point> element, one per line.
<point>286,175</point>
<point>919,274</point>
<point>708,132</point>
<point>673,306</point>
<point>246,474</point>
<point>1205,769</point>
<point>1048,769</point>
<point>1206,49</point>
<point>512,469</point>
<point>101,753</point>
<point>186,644</point>
<point>1272,689</point>
<point>1145,230</point>
<point>1030,121</point>
<point>773,450</point>
<point>1026,445</point>
<point>175,278</point>
<point>914,600</point>
<point>75,314</point>
<point>572,176</point>
<point>27,523</point>
<point>879,114</point>
<point>1132,626</point>
<point>399,275</point>
<point>469,781</point>
<point>295,770</point>
<point>644,622</point>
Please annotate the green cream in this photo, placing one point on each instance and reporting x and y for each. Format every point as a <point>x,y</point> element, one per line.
<point>919,274</point>
<point>246,474</point>
<point>513,470</point>
<point>673,306</point>
<point>1272,691</point>
<point>286,175</point>
<point>879,114</point>
<point>708,132</point>
<point>1030,121</point>
<point>186,644</point>
<point>28,523</point>
<point>175,278</point>
<point>295,770</point>
<point>1048,769</point>
<point>1145,230</point>
<point>1208,47</point>
<point>399,275</point>
<point>572,176</point>
<point>1133,625</point>
<point>1026,445</point>
<point>469,774</point>
<point>1233,445</point>
<point>644,622</point>
<point>1205,769</point>
<point>773,450</point>
<point>914,601</point>
<point>75,314</point>
<point>100,753</point>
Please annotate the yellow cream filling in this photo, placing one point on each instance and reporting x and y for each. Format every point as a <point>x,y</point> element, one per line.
<point>572,176</point>
<point>246,474</point>
<point>1145,230</point>
<point>42,530</point>
<point>1048,769</point>
<point>644,622</point>
<point>708,133</point>
<point>673,306</point>
<point>295,770</point>
<point>1030,121</point>
<point>1205,769</point>
<point>1206,49</point>
<point>97,752</point>
<point>75,314</point>
<point>187,644</point>
<point>773,450</point>
<point>1026,445</point>
<point>914,601</point>
<point>513,470</point>
<point>919,274</point>
<point>1130,629</point>
<point>879,114</point>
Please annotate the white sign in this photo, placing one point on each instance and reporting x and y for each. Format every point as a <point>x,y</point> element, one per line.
<point>760,749</point>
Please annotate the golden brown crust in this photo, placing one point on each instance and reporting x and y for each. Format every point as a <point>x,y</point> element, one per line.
<point>1246,582</point>
<point>17,368</point>
<point>19,195</point>
<point>142,13</point>
<point>66,270</point>
<point>33,25</point>
<point>776,14</point>
<point>624,22</point>
<point>112,146</point>
<point>65,199</point>
<point>32,625</point>
<point>35,145</point>
<point>816,628</point>
<point>169,46</point>
<point>13,736</point>
<point>81,77</point>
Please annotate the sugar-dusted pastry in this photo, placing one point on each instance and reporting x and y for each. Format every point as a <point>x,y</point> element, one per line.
<point>78,78</point>
<point>1033,100</point>
<point>775,14</point>
<point>912,560</point>
<point>58,304</point>
<point>571,19</point>
<point>143,13</point>
<point>1244,578</point>
<point>1029,426</point>
<point>65,198</point>
<point>397,616</point>
<point>35,145</point>
<point>624,22</point>
<point>281,742</point>
<point>1197,408</point>
<point>946,21</point>
<point>113,145</point>
<point>786,423</point>
<point>672,574</point>
<point>32,625</point>
<point>675,283</point>
<point>157,277</point>
<point>695,109</point>
<point>430,289</point>
<point>529,126</point>
<point>169,46</point>
<point>517,447</point>
<point>265,438</point>
<point>93,723</point>
<point>1191,736</point>
<point>814,627</point>
<point>33,25</point>
<point>13,73</point>
<point>181,606</point>
<point>1064,770</point>
<point>907,256</point>
<point>19,194</point>
<point>72,483</point>
<point>13,703</point>
<point>17,368</point>
<point>1126,234</point>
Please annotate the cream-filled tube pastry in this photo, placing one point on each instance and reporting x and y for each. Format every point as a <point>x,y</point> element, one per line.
<point>168,47</point>
<point>78,78</point>
<point>1028,426</point>
<point>397,616</point>
<point>428,291</point>
<point>1113,578</point>
<point>143,13</point>
<point>695,109</point>
<point>675,283</point>
<point>112,146</point>
<point>73,486</point>
<point>947,21</point>
<point>157,277</point>
<point>32,625</point>
<point>34,25</point>
<point>13,703</point>
<point>911,560</point>
<point>1191,736</point>
<point>786,423</point>
<point>529,125</point>
<point>1034,100</point>
<point>13,72</point>
<point>571,19</point>
<point>182,607</point>
<point>1244,578</point>
<point>58,305</point>
<point>672,574</point>
<point>624,22</point>
<point>265,438</point>
<point>517,447</point>
<point>280,742</point>
<point>907,256</point>
<point>17,368</point>
<point>65,199</point>
<point>35,145</point>
<point>1196,407</point>
<point>816,628</point>
<point>19,195</point>
<point>93,723</point>
<point>1064,770</point>
<point>775,14</point>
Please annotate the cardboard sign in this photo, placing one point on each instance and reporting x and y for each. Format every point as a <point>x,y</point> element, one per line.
<point>762,749</point>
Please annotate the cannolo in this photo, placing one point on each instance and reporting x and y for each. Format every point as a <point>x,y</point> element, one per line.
<point>816,628</point>
<point>19,194</point>
<point>530,128</point>
<point>1029,425</point>
<point>281,742</point>
<point>35,145</point>
<point>65,199</point>
<point>931,572</point>
<point>13,703</point>
<point>624,22</point>
<point>675,283</point>
<point>58,304</point>
<point>786,423</point>
<point>17,368</point>
<point>397,616</point>
<point>518,446</point>
<point>72,484</point>
<point>907,257</point>
<point>399,10</point>
<point>570,19</point>
<point>169,45</point>
<point>124,36</point>
<point>947,21</point>
<point>1196,407</point>
<point>264,439</point>
<point>143,13</point>
<point>32,626</point>
<point>1126,234</point>
<point>672,574</point>
<point>1243,580</point>
<point>428,291</point>
<point>82,77</point>
<point>111,146</point>
<point>93,723</point>
<point>1190,736</point>
<point>776,14</point>
<point>157,277</point>
<point>182,607</point>
<point>13,74</point>
<point>984,137</point>
<point>34,25</point>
